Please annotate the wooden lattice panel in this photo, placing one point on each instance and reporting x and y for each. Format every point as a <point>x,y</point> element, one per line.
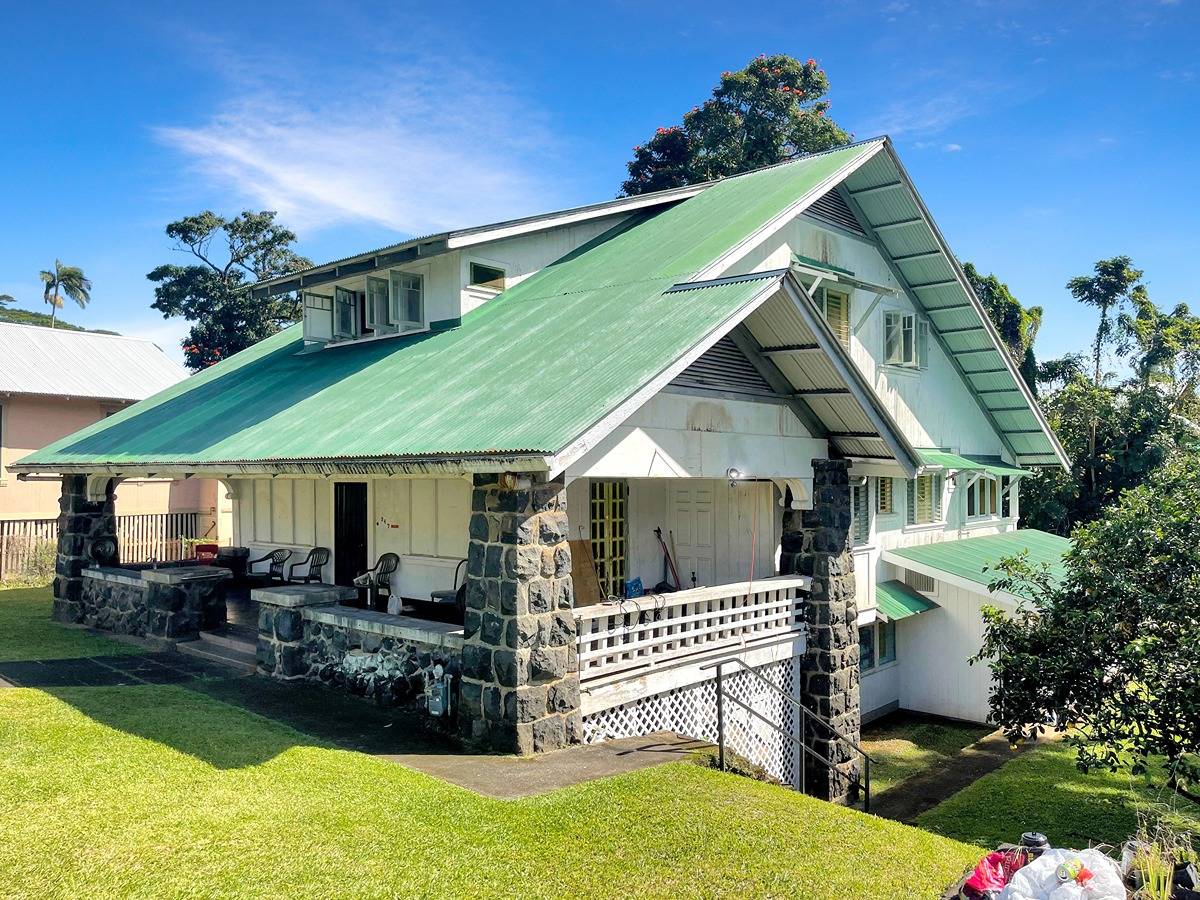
<point>692,711</point>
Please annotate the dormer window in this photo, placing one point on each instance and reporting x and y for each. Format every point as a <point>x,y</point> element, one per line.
<point>487,277</point>
<point>369,306</point>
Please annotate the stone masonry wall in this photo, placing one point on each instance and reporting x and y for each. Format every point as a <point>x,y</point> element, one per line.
<point>520,679</point>
<point>80,521</point>
<point>816,542</point>
<point>118,607</point>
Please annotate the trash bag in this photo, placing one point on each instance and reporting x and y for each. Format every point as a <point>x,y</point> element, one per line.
<point>1067,875</point>
<point>993,873</point>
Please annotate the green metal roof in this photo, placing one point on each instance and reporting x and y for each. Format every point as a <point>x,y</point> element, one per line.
<point>992,465</point>
<point>897,600</point>
<point>968,558</point>
<point>883,197</point>
<point>525,374</point>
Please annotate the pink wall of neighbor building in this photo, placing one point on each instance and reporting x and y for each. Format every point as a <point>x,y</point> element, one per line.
<point>29,422</point>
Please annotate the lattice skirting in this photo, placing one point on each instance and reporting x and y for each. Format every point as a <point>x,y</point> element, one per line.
<point>692,711</point>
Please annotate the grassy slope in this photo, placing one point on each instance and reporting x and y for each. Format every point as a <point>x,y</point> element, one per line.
<point>32,317</point>
<point>26,631</point>
<point>164,791</point>
<point>1043,791</point>
<point>902,746</point>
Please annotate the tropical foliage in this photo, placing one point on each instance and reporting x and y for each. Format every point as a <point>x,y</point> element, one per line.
<point>64,283</point>
<point>213,292</point>
<point>1018,326</point>
<point>772,110</point>
<point>1113,650</point>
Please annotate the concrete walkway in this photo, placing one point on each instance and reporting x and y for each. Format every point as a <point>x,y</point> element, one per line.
<point>927,789</point>
<point>512,777</point>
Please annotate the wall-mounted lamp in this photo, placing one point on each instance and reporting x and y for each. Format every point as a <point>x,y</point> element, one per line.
<point>734,475</point>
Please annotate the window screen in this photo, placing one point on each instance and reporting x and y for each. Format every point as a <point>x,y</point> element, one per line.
<point>345,313</point>
<point>866,647</point>
<point>885,644</point>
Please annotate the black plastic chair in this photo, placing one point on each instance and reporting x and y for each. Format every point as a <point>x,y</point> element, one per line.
<point>274,571</point>
<point>316,561</point>
<point>456,596</point>
<point>378,580</point>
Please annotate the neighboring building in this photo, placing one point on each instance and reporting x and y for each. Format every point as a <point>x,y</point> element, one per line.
<point>784,371</point>
<point>53,382</point>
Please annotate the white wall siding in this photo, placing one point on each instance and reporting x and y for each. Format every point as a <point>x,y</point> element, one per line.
<point>879,690</point>
<point>933,648</point>
<point>423,520</point>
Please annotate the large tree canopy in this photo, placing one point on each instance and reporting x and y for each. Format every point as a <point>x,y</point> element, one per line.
<point>1017,325</point>
<point>1112,651</point>
<point>770,111</point>
<point>213,292</point>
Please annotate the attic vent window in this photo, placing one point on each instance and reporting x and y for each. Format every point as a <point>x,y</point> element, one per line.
<point>488,277</point>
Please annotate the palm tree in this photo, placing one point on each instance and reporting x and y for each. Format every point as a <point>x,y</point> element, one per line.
<point>65,280</point>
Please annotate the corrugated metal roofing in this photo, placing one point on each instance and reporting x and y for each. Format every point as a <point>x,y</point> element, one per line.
<point>500,383</point>
<point>897,600</point>
<point>61,362</point>
<point>881,192</point>
<point>969,558</point>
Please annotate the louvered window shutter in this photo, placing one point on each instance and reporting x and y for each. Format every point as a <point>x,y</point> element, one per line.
<point>936,501</point>
<point>912,501</point>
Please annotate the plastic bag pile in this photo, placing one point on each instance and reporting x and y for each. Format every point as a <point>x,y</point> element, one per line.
<point>1067,875</point>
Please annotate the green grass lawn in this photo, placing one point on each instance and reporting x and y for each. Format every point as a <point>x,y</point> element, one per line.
<point>1042,790</point>
<point>903,745</point>
<point>168,791</point>
<point>26,631</point>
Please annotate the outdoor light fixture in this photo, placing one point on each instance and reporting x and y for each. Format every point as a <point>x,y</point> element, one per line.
<point>734,475</point>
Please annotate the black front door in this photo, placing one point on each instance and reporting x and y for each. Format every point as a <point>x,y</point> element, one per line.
<point>349,531</point>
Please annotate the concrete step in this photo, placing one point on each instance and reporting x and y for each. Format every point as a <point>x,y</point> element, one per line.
<point>241,659</point>
<point>234,637</point>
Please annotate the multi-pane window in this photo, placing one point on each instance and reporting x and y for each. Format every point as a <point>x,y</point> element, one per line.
<point>866,648</point>
<point>407,300</point>
<point>884,500</point>
<point>835,306</point>
<point>608,499</point>
<point>345,313</point>
<point>488,277</point>
<point>377,312</point>
<point>885,642</point>
<point>925,499</point>
<point>318,317</point>
<point>876,645</point>
<point>860,514</point>
<point>905,340</point>
<point>983,497</point>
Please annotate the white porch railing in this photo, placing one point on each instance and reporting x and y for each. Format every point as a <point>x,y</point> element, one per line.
<point>627,638</point>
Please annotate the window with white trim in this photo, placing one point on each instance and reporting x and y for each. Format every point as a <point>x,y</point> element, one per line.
<point>983,497</point>
<point>485,276</point>
<point>408,300</point>
<point>377,311</point>
<point>318,317</point>
<point>876,645</point>
<point>835,307</point>
<point>860,514</point>
<point>905,340</point>
<point>925,499</point>
<point>866,648</point>
<point>345,314</point>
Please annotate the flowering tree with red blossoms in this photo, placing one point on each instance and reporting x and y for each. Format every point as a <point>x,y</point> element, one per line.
<point>772,110</point>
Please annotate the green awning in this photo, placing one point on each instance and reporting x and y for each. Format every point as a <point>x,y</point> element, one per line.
<point>975,559</point>
<point>897,600</point>
<point>817,264</point>
<point>992,465</point>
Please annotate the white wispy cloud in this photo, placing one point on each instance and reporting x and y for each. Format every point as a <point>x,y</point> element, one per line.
<point>416,147</point>
<point>952,148</point>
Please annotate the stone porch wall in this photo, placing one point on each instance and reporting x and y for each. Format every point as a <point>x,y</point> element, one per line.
<point>305,635</point>
<point>174,603</point>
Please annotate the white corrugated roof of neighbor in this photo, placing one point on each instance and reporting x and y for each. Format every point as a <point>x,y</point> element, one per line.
<point>59,362</point>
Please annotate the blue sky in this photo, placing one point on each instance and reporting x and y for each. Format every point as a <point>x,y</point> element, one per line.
<point>1043,136</point>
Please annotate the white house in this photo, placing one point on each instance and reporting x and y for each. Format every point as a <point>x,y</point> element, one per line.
<point>779,371</point>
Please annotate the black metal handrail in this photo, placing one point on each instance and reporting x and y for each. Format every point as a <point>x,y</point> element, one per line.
<point>805,715</point>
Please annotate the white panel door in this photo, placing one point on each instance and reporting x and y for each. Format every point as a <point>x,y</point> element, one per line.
<point>692,521</point>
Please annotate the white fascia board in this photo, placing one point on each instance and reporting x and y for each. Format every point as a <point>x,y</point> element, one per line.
<point>613,418</point>
<point>984,318</point>
<point>768,228</point>
<point>410,467</point>
<point>488,233</point>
